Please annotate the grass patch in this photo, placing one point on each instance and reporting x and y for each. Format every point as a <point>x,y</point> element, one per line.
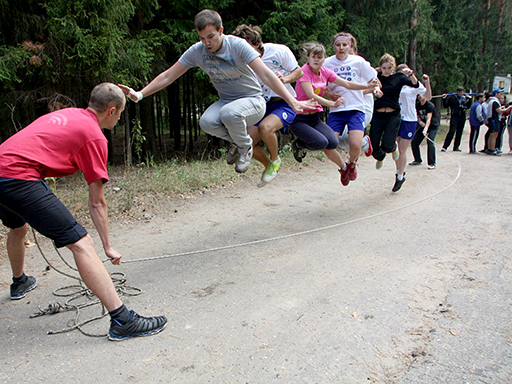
<point>132,191</point>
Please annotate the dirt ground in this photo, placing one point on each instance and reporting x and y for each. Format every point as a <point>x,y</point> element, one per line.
<point>302,281</point>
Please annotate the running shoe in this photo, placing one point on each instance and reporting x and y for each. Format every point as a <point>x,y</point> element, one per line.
<point>398,183</point>
<point>395,153</point>
<point>271,172</point>
<point>137,326</point>
<point>457,150</point>
<point>493,153</point>
<point>379,164</point>
<point>443,149</point>
<point>432,166</point>
<point>298,153</point>
<point>369,151</point>
<point>415,162</point>
<point>352,171</point>
<point>232,155</point>
<point>244,159</point>
<point>20,290</point>
<point>345,179</point>
<point>261,183</point>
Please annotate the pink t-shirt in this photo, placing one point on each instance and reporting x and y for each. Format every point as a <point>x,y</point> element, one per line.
<point>318,82</point>
<point>56,145</point>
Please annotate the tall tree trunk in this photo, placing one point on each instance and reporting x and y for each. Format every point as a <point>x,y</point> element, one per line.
<point>413,43</point>
<point>190,111</point>
<point>128,158</point>
<point>173,102</point>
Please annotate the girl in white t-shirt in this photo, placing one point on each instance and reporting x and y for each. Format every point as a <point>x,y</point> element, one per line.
<point>349,120</point>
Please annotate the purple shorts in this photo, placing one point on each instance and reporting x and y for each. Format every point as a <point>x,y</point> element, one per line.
<point>354,120</point>
<point>407,129</point>
<point>282,110</point>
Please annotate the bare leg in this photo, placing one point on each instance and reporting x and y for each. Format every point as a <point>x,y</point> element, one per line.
<point>16,249</point>
<point>94,273</point>
<point>258,153</point>
<point>355,139</point>
<point>267,129</point>
<point>403,146</point>
<point>335,157</point>
<point>492,141</point>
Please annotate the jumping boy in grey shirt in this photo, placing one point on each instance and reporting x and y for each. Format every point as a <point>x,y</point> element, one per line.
<point>232,65</point>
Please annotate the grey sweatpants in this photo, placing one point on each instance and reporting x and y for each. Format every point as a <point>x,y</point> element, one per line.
<point>229,119</point>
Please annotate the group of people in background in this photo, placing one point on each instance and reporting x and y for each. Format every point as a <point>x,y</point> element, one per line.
<point>256,99</point>
<point>490,109</point>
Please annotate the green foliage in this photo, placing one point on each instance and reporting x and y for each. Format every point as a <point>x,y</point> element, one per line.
<point>53,52</point>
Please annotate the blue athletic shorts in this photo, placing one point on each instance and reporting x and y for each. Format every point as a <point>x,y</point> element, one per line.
<point>33,202</point>
<point>354,120</point>
<point>407,129</point>
<point>282,110</point>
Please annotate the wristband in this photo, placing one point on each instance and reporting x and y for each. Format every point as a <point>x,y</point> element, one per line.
<point>139,96</point>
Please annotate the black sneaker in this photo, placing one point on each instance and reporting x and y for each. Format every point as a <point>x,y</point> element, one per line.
<point>398,183</point>
<point>136,327</point>
<point>298,153</point>
<point>20,290</point>
<point>415,162</point>
<point>457,150</point>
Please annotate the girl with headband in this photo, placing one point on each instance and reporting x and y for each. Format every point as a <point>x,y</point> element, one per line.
<point>350,116</point>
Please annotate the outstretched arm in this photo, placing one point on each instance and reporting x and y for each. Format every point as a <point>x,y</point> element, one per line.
<point>158,83</point>
<point>355,85</point>
<point>270,79</point>
<point>292,77</point>
<point>308,90</point>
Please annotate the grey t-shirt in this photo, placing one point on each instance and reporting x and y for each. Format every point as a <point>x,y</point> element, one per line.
<point>227,68</point>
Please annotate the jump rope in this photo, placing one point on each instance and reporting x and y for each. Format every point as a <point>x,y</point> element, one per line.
<point>75,292</point>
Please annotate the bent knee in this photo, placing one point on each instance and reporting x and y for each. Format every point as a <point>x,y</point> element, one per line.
<point>85,243</point>
<point>19,232</point>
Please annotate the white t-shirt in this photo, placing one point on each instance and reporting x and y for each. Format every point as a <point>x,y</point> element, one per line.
<point>353,68</point>
<point>407,101</point>
<point>278,57</point>
<point>227,68</point>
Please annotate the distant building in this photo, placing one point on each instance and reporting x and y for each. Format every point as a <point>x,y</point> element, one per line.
<point>502,82</point>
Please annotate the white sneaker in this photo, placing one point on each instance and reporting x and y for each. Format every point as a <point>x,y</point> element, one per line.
<point>244,159</point>
<point>433,166</point>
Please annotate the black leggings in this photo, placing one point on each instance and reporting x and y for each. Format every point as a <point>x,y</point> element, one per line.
<point>383,133</point>
<point>312,133</point>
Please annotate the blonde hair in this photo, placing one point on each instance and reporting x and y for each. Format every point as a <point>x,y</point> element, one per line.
<point>387,58</point>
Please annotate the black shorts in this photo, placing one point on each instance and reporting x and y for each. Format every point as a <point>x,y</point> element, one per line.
<point>33,202</point>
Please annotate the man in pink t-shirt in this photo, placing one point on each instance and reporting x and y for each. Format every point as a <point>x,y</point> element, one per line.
<point>55,145</point>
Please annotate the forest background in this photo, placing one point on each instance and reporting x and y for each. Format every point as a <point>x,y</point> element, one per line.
<point>52,53</point>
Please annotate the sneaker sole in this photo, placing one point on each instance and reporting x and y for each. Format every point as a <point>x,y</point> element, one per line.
<point>125,337</point>
<point>33,286</point>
